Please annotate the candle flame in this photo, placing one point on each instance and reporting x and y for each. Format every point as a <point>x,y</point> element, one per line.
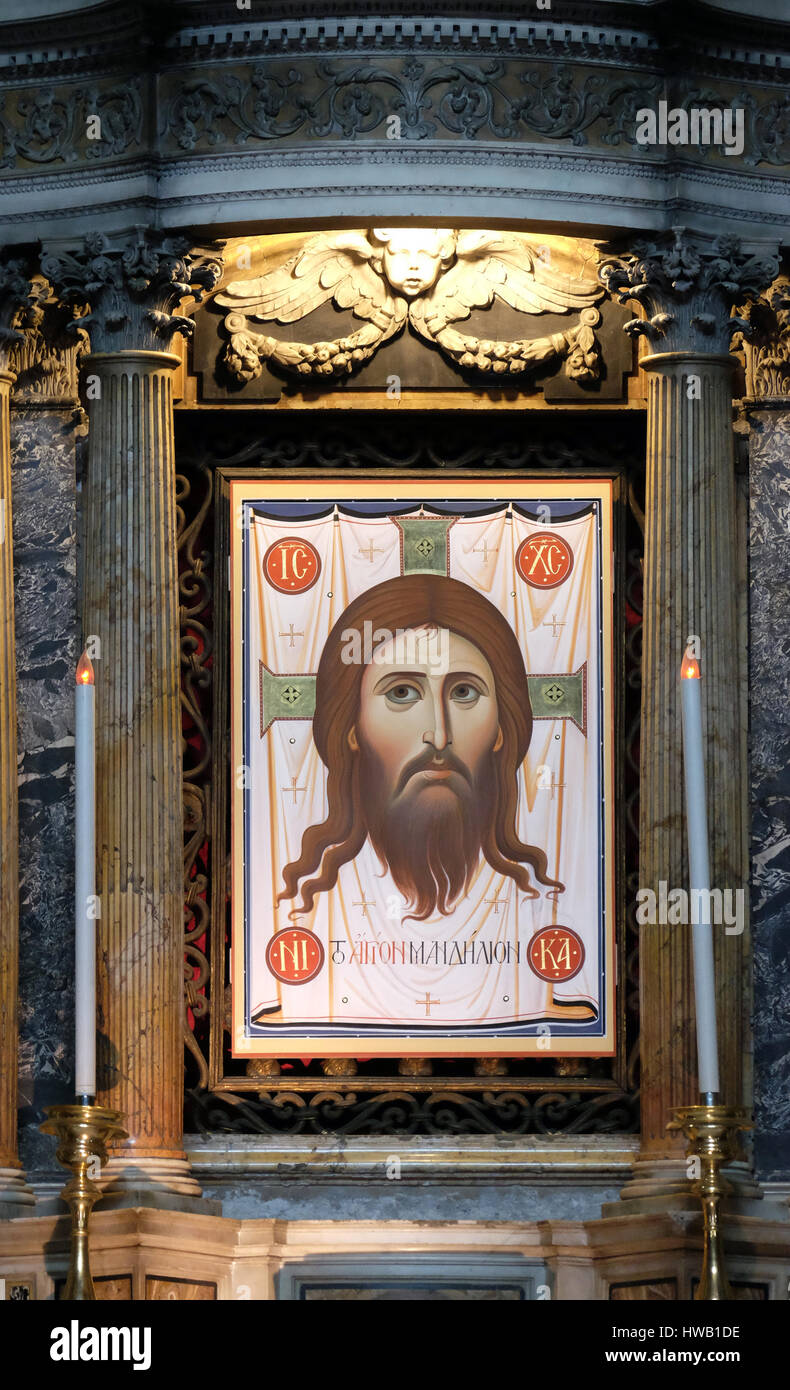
<point>689,671</point>
<point>84,670</point>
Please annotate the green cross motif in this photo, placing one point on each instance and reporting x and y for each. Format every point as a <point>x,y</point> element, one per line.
<point>279,696</point>
<point>551,700</point>
<point>424,543</point>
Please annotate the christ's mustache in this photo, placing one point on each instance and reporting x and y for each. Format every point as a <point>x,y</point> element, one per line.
<point>432,760</point>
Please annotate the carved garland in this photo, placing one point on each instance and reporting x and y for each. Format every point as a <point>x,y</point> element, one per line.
<point>432,279</point>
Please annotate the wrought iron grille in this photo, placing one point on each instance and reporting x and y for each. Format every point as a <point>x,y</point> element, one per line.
<point>441,1096</point>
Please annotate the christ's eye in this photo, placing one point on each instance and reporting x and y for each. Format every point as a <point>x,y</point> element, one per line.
<point>465,694</point>
<point>403,694</point>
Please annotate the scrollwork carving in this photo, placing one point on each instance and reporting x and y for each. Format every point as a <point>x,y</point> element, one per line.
<point>503,100</point>
<point>53,124</point>
<point>196,656</point>
<point>427,1108</point>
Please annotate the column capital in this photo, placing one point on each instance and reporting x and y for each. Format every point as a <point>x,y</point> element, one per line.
<point>129,286</point>
<point>46,353</point>
<point>15,295</point>
<point>687,286</point>
<point>766,347</point>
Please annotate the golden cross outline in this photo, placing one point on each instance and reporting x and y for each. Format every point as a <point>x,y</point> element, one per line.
<point>495,901</point>
<point>293,634</point>
<point>494,551</point>
<point>554,624</point>
<point>371,550</point>
<point>364,904</point>
<point>556,786</point>
<point>427,1001</point>
<point>293,789</point>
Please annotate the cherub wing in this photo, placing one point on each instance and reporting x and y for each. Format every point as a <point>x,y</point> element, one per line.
<point>493,265</point>
<point>332,266</point>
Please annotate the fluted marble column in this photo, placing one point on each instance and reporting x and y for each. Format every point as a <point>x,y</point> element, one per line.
<point>690,587</point>
<point>16,1198</point>
<point>131,627</point>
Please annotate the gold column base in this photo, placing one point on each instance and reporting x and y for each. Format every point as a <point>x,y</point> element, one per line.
<point>83,1133</point>
<point>712,1132</point>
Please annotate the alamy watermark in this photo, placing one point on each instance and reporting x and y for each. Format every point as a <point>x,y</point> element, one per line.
<point>677,907</point>
<point>428,646</point>
<point>700,125</point>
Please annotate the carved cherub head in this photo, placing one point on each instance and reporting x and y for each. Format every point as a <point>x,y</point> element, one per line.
<point>412,258</point>
<point>429,277</point>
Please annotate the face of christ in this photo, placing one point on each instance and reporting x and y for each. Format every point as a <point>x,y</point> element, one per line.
<point>422,754</point>
<point>425,738</point>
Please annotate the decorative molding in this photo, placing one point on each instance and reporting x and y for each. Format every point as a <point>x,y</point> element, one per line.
<point>132,286</point>
<point>410,98</point>
<point>394,97</point>
<point>687,288</point>
<point>53,124</point>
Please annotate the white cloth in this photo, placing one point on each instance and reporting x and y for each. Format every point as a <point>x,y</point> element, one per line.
<point>365,982</point>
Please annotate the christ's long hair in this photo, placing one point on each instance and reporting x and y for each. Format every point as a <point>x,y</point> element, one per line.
<point>413,601</point>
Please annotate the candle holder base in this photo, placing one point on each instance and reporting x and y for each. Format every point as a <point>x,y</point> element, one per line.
<point>712,1132</point>
<point>83,1133</point>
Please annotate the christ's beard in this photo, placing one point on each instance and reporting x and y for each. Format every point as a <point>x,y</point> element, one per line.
<point>430,833</point>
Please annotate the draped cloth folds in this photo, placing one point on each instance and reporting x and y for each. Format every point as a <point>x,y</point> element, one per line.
<point>383,976</point>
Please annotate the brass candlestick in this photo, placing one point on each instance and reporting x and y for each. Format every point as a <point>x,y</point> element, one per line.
<point>712,1133</point>
<point>83,1133</point>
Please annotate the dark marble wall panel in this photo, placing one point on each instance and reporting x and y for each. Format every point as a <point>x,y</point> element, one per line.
<point>769,743</point>
<point>45,561</point>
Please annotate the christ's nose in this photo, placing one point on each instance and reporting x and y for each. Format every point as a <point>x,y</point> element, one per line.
<point>439,735</point>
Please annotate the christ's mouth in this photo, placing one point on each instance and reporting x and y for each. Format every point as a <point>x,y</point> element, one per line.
<point>432,769</point>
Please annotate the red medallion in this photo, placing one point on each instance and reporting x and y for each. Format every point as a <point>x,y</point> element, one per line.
<point>292,565</point>
<point>544,560</point>
<point>556,953</point>
<point>295,956</point>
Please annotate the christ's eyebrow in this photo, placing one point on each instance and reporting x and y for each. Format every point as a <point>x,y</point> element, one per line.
<point>396,677</point>
<point>468,676</point>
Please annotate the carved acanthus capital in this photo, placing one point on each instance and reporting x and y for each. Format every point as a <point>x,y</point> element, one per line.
<point>766,348</point>
<point>687,288</point>
<point>15,295</point>
<point>130,288</point>
<point>45,355</point>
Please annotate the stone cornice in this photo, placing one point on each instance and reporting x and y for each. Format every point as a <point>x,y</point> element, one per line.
<point>715,44</point>
<point>192,102</point>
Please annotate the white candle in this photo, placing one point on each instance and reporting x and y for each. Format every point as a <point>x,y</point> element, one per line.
<point>699,875</point>
<point>85,879</point>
